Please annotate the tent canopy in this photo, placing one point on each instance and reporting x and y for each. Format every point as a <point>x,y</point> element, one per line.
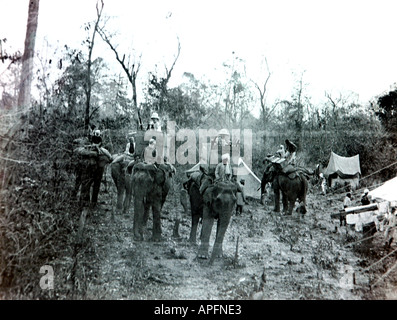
<point>252,182</point>
<point>387,191</point>
<point>345,167</point>
<point>194,168</point>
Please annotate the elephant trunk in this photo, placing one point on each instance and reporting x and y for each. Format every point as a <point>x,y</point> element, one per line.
<point>176,229</point>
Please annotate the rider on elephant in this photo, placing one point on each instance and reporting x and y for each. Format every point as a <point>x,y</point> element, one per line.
<point>285,157</point>
<point>129,149</point>
<point>154,123</point>
<point>290,155</point>
<point>150,154</point>
<point>223,171</point>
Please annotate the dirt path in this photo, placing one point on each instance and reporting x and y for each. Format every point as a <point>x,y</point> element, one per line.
<point>299,259</point>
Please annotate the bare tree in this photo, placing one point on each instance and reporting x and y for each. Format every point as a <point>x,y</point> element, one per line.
<point>165,81</point>
<point>266,110</point>
<point>337,104</point>
<point>131,70</point>
<point>88,83</point>
<point>26,74</point>
<point>28,55</point>
<point>158,86</point>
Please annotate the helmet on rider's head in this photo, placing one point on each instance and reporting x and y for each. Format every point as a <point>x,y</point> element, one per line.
<point>225,156</point>
<point>224,132</point>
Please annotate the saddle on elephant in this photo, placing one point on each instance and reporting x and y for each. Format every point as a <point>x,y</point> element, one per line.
<point>153,167</point>
<point>282,166</point>
<point>123,157</point>
<point>142,166</point>
<point>93,154</point>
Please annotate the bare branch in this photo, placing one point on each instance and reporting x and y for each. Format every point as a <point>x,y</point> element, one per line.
<point>168,76</point>
<point>131,72</point>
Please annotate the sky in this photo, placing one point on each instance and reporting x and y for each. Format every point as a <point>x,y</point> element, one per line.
<point>338,46</point>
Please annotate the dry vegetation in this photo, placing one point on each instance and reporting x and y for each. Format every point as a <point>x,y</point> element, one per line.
<point>277,257</point>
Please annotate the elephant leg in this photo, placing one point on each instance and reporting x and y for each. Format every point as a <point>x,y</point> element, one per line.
<point>138,220</point>
<point>286,204</point>
<point>291,204</point>
<point>119,181</point>
<point>193,230</point>
<point>86,182</point>
<point>175,233</point>
<point>97,184</point>
<point>276,200</point>
<point>208,222</point>
<point>146,212</point>
<point>121,191</point>
<point>156,232</point>
<point>127,201</point>
<point>120,197</point>
<point>128,196</point>
<point>222,224</point>
<point>77,183</point>
<point>301,209</point>
<point>263,191</point>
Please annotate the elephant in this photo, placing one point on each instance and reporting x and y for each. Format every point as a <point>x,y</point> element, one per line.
<point>150,185</point>
<point>290,182</point>
<point>91,161</point>
<point>219,201</point>
<point>196,201</point>
<point>122,179</point>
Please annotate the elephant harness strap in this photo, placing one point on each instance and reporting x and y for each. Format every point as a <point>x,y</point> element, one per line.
<point>290,171</point>
<point>151,169</point>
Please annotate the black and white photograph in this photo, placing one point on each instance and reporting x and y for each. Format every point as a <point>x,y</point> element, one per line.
<point>216,152</point>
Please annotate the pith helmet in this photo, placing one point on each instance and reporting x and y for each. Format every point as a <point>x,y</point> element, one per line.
<point>155,115</point>
<point>224,132</point>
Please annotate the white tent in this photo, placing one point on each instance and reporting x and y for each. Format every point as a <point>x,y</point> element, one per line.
<point>242,171</point>
<point>386,192</point>
<point>252,187</point>
<point>341,170</point>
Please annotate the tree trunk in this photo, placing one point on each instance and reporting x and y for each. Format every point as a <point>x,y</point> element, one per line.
<point>99,8</point>
<point>26,76</point>
<point>28,55</point>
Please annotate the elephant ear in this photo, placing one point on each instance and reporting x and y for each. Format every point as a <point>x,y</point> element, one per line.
<point>208,196</point>
<point>160,177</point>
